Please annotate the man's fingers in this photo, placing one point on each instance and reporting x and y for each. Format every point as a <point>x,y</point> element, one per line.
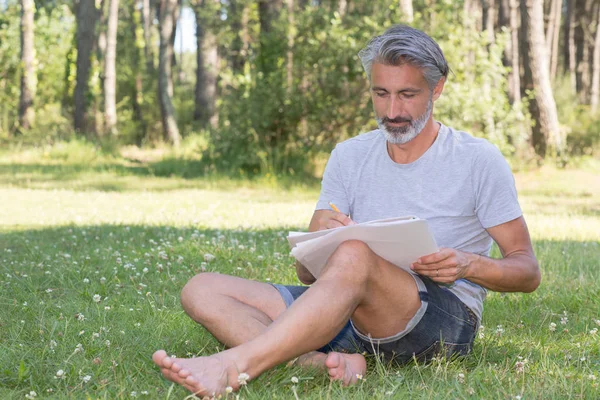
<point>435,258</point>
<point>333,223</point>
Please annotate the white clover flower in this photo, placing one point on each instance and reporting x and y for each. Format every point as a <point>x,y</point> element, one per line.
<point>564,320</point>
<point>592,377</point>
<point>86,280</point>
<point>597,321</point>
<point>107,343</point>
<point>243,378</point>
<point>86,378</point>
<point>499,330</point>
<point>552,327</point>
<point>133,394</point>
<point>209,257</point>
<point>481,333</point>
<point>97,298</point>
<point>31,395</point>
<point>461,378</point>
<point>107,308</point>
<point>180,239</point>
<point>294,379</point>
<point>60,374</point>
<point>594,331</point>
<point>228,389</point>
<point>78,348</point>
<point>52,344</point>
<point>48,290</point>
<point>520,366</point>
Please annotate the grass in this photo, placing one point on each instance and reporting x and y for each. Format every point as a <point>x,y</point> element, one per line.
<point>97,224</point>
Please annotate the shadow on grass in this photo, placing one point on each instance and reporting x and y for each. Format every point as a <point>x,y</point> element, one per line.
<point>160,175</point>
<point>119,253</point>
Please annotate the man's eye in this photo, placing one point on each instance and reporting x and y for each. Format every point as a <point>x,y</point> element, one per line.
<point>380,94</point>
<point>409,96</point>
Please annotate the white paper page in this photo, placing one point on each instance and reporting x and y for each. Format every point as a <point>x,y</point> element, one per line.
<point>401,244</point>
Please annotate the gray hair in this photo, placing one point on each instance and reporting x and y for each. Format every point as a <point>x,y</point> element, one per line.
<point>402,44</point>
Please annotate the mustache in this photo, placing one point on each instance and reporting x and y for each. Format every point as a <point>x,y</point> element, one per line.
<point>396,120</point>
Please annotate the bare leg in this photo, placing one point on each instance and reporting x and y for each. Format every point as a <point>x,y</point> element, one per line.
<point>380,297</point>
<point>236,310</point>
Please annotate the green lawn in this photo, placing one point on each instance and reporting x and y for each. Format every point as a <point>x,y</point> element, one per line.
<point>94,252</point>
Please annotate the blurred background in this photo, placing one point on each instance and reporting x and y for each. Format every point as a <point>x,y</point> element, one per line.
<point>255,87</point>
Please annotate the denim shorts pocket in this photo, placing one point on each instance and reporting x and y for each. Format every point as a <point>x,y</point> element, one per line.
<point>443,349</point>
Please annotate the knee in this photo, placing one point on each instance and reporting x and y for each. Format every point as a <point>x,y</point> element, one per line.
<point>197,291</point>
<point>353,255</point>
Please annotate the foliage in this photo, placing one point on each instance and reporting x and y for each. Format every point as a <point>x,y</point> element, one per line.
<point>268,124</point>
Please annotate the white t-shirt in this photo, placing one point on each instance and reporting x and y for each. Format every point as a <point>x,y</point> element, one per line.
<point>461,185</point>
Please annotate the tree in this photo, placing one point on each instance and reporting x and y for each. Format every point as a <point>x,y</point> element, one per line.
<point>28,74</point>
<point>167,22</point>
<point>553,35</point>
<point>596,68</point>
<point>546,135</point>
<point>406,7</point>
<point>110,73</point>
<point>207,65</point>
<point>86,25</point>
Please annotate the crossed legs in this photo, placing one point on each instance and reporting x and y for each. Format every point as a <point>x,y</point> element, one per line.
<point>251,319</point>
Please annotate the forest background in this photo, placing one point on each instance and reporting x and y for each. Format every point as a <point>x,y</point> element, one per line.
<point>274,84</point>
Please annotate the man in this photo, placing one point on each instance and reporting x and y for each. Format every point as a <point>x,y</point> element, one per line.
<point>411,165</point>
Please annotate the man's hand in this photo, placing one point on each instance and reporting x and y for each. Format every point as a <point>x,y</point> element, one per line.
<point>321,220</point>
<point>445,266</point>
<point>326,219</point>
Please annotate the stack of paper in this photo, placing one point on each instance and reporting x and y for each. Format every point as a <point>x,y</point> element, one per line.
<point>401,241</point>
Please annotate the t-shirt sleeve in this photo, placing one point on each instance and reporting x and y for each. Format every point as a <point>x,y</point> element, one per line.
<point>496,199</point>
<point>332,186</point>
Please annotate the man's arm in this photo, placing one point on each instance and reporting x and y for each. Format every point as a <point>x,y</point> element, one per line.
<point>321,219</point>
<point>517,271</point>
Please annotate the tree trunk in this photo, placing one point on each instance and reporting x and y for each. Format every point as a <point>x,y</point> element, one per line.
<point>406,7</point>
<point>110,73</point>
<point>147,14</point>
<point>596,69</point>
<point>342,7</point>
<point>240,13</point>
<point>165,80</point>
<point>290,40</point>
<point>515,73</point>
<point>207,71</point>
<point>570,51</point>
<point>86,25</point>
<point>546,135</point>
<point>268,12</point>
<point>489,18</point>
<point>555,39</point>
<point>28,74</point>
<point>472,14</point>
<point>137,95</point>
<point>583,42</point>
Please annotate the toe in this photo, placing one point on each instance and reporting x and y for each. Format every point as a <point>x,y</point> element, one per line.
<point>175,367</point>
<point>158,357</point>
<point>183,373</point>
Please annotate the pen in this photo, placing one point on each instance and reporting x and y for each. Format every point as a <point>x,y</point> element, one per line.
<point>334,207</point>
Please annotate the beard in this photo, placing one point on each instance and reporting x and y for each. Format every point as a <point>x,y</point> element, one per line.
<point>404,134</point>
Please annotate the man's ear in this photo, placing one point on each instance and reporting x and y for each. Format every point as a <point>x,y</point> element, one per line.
<point>439,87</point>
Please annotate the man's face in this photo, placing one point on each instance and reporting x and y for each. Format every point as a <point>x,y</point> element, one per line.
<point>402,100</point>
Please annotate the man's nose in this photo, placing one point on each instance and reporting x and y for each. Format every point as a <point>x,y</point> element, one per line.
<point>394,108</point>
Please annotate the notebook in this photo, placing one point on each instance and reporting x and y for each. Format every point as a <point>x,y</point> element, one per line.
<point>401,241</point>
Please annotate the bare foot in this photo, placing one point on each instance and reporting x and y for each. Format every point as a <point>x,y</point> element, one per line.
<point>348,368</point>
<point>203,376</point>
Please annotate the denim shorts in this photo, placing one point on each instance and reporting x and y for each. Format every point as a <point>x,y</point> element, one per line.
<point>442,327</point>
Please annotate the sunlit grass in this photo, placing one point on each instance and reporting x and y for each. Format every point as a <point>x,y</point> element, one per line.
<point>134,239</point>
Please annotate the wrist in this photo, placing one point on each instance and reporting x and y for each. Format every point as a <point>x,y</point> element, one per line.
<point>473,263</point>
